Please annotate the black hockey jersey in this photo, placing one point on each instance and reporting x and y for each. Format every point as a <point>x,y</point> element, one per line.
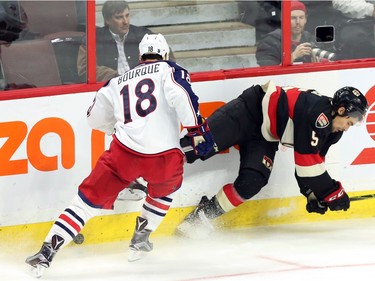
<point>302,119</point>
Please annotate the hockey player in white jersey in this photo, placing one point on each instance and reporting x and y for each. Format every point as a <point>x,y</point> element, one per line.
<point>142,110</point>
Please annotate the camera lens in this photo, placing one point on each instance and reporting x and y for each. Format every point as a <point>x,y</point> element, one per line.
<point>322,54</point>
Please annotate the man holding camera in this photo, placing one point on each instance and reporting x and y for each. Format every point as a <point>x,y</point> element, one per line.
<point>269,51</point>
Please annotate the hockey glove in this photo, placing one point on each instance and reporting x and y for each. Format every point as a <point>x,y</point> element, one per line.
<point>338,200</point>
<point>314,205</point>
<point>201,139</point>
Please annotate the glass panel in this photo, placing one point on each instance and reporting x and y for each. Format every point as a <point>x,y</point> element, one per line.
<point>116,39</point>
<point>355,29</point>
<point>305,48</point>
<point>44,47</point>
<point>202,35</point>
<point>321,31</point>
<point>268,32</point>
<point>321,24</point>
<point>350,23</point>
<point>214,35</point>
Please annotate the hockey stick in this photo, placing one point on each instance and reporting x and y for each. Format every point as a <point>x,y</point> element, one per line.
<point>362,197</point>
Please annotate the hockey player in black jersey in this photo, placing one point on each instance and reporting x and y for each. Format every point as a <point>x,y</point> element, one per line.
<point>264,116</point>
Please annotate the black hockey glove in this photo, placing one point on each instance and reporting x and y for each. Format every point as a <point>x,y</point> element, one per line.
<point>202,139</point>
<point>338,200</point>
<point>314,205</point>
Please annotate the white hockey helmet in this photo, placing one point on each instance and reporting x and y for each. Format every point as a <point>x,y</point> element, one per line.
<point>154,44</point>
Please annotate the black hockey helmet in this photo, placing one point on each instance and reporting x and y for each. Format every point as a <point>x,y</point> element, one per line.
<point>13,20</point>
<point>352,100</point>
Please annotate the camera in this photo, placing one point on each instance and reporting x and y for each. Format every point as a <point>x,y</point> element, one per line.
<point>322,54</point>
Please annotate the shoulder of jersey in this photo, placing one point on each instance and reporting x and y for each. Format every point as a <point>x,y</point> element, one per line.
<point>175,65</point>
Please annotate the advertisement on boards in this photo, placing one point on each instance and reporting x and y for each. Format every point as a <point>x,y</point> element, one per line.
<point>47,148</point>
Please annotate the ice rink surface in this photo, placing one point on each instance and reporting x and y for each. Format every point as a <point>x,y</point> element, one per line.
<point>335,250</point>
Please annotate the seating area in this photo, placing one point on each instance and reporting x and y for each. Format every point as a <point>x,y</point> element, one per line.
<point>204,36</point>
<point>46,52</point>
<point>66,45</point>
<point>47,17</point>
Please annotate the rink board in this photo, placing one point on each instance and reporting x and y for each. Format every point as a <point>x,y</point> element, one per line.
<point>54,150</point>
<point>253,213</point>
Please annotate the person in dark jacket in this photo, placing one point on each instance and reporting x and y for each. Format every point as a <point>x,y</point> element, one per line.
<point>13,23</point>
<point>116,43</point>
<point>269,51</point>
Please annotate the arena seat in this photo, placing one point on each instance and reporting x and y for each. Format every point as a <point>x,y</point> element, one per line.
<point>66,45</point>
<point>30,62</point>
<point>45,17</point>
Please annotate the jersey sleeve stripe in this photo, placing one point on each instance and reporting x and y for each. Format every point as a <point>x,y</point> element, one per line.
<point>307,159</point>
<point>310,171</point>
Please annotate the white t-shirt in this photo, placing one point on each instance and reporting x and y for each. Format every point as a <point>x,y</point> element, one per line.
<point>356,9</point>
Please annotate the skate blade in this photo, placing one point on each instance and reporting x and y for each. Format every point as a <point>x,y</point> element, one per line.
<point>135,255</point>
<point>131,195</point>
<point>37,271</point>
<point>193,231</point>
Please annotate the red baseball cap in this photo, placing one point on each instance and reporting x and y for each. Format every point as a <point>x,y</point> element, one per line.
<point>297,5</point>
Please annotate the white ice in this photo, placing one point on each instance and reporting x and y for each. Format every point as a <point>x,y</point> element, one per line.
<point>332,251</point>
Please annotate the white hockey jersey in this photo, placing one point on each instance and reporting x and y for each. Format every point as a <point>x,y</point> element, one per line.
<point>145,106</point>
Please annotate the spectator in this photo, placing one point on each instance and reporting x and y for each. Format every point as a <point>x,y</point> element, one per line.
<point>269,50</point>
<point>355,28</point>
<point>264,15</point>
<point>13,21</point>
<point>158,98</point>
<point>116,43</point>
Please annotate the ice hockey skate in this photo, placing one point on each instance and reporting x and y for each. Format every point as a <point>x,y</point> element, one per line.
<point>197,224</point>
<point>136,191</point>
<point>140,245</point>
<point>42,260</point>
